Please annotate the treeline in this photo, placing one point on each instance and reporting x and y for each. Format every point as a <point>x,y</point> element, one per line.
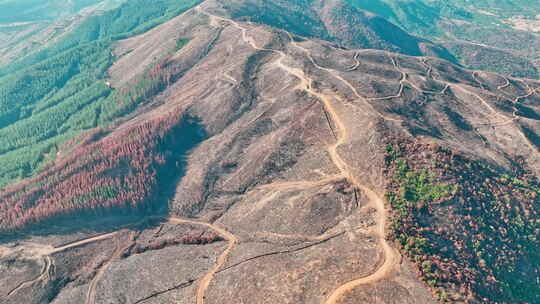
<point>128,169</point>
<point>52,96</point>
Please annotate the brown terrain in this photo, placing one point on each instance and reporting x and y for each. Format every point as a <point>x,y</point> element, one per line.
<point>285,201</point>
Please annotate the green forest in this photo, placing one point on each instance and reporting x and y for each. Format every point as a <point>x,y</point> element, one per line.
<point>40,10</point>
<point>54,95</point>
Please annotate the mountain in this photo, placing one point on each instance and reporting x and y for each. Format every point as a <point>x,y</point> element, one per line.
<point>264,152</point>
<point>499,36</point>
<point>335,21</point>
<point>29,25</point>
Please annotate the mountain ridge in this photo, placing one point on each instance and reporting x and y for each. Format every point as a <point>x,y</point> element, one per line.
<point>308,159</point>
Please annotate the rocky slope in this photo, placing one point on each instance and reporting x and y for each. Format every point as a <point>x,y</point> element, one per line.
<point>279,162</point>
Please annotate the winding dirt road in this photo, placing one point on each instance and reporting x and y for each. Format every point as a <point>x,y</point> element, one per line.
<point>391,257</point>
<point>340,78</point>
<point>91,292</point>
<point>356,62</point>
<point>43,277</point>
<point>43,252</point>
<point>232,239</point>
<point>405,79</point>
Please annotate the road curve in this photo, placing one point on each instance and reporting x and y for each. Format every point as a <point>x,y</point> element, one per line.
<point>232,239</point>
<point>43,276</point>
<point>391,255</point>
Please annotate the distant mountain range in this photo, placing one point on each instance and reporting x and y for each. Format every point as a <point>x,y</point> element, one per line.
<point>493,35</point>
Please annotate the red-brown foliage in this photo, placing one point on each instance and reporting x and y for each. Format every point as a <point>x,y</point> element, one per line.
<point>483,241</point>
<point>119,170</point>
<point>195,237</point>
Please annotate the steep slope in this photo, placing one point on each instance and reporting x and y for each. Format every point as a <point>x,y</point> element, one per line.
<point>69,93</point>
<point>294,172</point>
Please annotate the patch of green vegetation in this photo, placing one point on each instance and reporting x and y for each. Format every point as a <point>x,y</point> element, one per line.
<point>180,43</point>
<point>393,152</point>
<point>416,189</point>
<point>103,193</point>
<point>415,186</point>
<point>52,96</point>
<point>420,187</point>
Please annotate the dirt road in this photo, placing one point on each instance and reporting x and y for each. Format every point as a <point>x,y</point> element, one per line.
<point>391,256</point>
<point>232,239</point>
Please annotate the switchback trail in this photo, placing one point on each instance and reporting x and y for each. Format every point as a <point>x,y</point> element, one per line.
<point>465,90</point>
<point>344,81</point>
<point>504,120</point>
<point>390,255</point>
<point>405,79</point>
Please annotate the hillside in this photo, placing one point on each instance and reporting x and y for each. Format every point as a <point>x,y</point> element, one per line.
<point>219,152</point>
<point>28,26</point>
<point>69,92</point>
<point>335,21</point>
<point>40,10</point>
<point>497,36</point>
